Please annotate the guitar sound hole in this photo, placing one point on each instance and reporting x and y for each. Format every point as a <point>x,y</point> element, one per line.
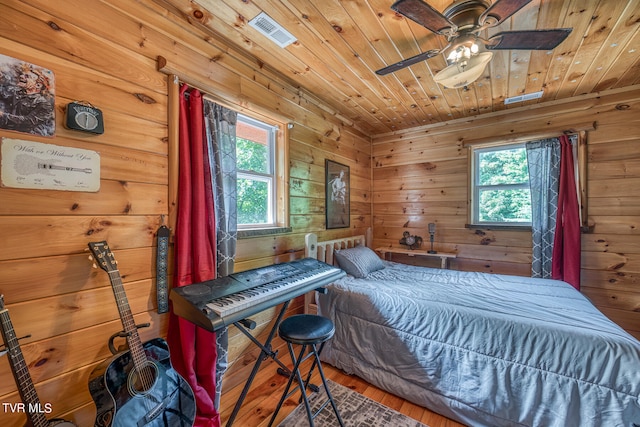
<point>142,380</point>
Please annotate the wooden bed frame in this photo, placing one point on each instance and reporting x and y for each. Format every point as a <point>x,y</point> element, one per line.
<point>323,251</point>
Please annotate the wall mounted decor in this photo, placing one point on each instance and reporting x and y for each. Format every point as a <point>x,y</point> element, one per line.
<point>27,97</point>
<point>82,116</point>
<point>30,164</point>
<point>337,194</point>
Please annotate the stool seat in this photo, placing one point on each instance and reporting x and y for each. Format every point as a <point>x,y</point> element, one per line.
<point>306,329</point>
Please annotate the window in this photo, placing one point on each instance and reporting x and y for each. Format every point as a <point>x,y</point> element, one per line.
<point>257,178</point>
<point>500,193</point>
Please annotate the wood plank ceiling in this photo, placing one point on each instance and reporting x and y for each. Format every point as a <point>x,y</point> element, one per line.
<point>340,44</point>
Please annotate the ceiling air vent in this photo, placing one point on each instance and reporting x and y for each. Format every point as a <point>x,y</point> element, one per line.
<point>272,30</point>
<point>522,98</point>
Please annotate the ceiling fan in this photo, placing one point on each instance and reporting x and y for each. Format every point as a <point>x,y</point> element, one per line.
<point>466,51</point>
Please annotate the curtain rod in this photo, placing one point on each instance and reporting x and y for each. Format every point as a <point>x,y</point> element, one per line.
<point>208,88</point>
<point>530,136</point>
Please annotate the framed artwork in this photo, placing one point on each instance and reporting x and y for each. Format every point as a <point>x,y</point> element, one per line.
<point>337,194</point>
<point>27,97</point>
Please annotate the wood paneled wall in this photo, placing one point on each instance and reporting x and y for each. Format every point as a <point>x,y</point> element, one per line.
<point>420,176</point>
<point>105,53</point>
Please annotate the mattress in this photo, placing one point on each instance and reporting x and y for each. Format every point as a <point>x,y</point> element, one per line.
<point>485,349</point>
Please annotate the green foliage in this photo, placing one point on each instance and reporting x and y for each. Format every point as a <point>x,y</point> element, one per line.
<point>253,201</point>
<point>504,167</point>
<point>252,156</point>
<point>253,194</point>
<point>505,206</point>
<point>504,192</point>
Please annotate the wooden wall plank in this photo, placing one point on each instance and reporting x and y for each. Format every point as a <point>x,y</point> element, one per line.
<point>614,205</point>
<point>79,310</point>
<point>125,198</point>
<point>40,277</point>
<point>24,236</point>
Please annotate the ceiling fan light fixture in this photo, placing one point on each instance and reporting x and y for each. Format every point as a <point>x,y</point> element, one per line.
<point>461,23</point>
<point>461,53</point>
<point>462,48</point>
<point>455,77</point>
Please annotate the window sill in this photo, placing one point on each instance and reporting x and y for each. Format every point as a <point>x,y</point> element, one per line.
<point>498,227</point>
<point>261,232</point>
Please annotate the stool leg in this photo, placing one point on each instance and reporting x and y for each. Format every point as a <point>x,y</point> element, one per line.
<point>324,382</point>
<point>313,366</point>
<point>295,372</point>
<point>303,386</point>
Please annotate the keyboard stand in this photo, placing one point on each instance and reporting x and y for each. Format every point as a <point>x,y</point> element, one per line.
<point>266,352</point>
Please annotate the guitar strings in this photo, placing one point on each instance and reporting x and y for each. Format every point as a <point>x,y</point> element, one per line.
<point>21,370</point>
<point>141,365</point>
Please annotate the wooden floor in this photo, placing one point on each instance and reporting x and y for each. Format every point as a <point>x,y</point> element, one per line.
<point>268,386</point>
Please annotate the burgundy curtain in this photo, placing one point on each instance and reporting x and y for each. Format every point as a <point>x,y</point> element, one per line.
<point>193,349</point>
<point>566,244</point>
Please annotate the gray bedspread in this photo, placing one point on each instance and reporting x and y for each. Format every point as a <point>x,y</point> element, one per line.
<point>485,349</point>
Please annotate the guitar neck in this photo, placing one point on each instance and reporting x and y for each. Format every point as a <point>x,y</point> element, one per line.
<point>104,259</point>
<point>20,370</point>
<point>126,316</point>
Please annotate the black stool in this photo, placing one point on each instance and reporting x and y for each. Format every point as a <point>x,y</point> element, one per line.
<point>307,330</point>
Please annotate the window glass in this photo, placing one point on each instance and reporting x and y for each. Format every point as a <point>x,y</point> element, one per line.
<point>509,206</point>
<point>503,166</point>
<point>500,188</point>
<point>253,201</point>
<point>255,153</point>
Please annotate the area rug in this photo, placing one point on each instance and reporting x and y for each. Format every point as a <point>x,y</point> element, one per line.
<point>355,409</point>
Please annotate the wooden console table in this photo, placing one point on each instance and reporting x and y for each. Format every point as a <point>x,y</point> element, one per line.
<point>444,256</point>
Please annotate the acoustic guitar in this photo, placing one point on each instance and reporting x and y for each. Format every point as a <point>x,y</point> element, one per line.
<point>32,406</point>
<point>137,387</point>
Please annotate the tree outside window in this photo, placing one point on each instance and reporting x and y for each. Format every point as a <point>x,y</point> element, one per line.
<point>500,186</point>
<point>255,153</point>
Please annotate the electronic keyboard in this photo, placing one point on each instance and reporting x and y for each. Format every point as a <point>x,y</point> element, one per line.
<point>217,303</point>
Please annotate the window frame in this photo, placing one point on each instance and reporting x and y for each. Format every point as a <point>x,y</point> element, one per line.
<point>581,130</point>
<point>474,188</point>
<point>280,162</point>
<point>270,177</point>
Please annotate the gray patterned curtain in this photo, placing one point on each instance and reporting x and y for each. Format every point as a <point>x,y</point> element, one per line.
<point>544,168</point>
<point>221,135</point>
<point>220,124</point>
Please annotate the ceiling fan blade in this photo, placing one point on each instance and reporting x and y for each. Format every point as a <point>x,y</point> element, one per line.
<point>501,10</point>
<point>407,62</point>
<point>529,39</point>
<point>423,14</point>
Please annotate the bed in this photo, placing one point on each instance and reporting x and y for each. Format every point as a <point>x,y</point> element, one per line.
<point>483,349</point>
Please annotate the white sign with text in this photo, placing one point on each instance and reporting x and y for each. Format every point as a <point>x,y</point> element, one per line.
<point>29,164</point>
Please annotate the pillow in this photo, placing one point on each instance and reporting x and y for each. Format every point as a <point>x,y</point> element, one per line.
<point>358,261</point>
